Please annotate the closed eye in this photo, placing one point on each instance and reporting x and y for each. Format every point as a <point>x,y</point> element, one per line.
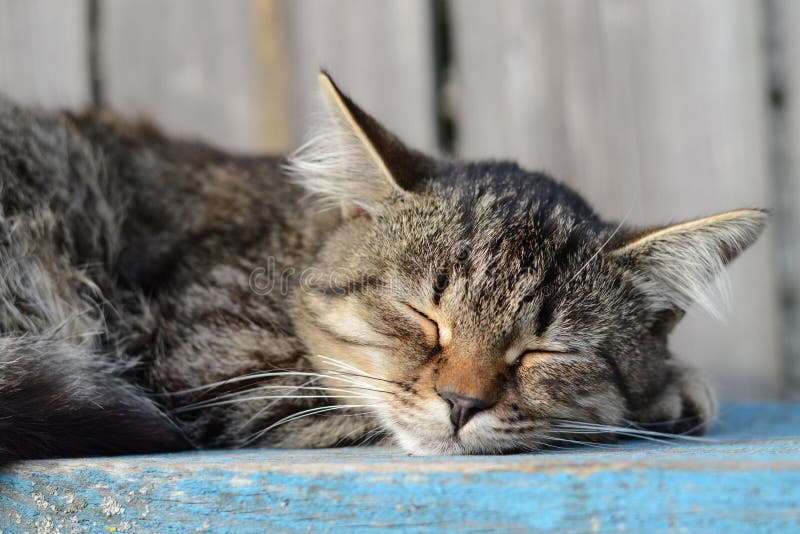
<point>428,325</point>
<point>533,357</point>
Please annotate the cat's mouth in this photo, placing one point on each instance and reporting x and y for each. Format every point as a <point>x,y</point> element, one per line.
<point>451,443</point>
<point>434,434</point>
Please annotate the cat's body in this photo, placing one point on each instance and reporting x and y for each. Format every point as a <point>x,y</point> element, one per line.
<point>149,286</point>
<point>127,248</point>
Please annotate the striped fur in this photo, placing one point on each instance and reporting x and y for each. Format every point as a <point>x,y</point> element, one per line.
<point>157,294</point>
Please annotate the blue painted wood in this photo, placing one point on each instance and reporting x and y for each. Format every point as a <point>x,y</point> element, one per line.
<point>747,479</point>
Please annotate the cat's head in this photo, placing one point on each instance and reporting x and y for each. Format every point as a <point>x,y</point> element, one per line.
<point>480,308</point>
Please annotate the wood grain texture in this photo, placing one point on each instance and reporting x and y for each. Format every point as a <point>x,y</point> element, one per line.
<point>747,479</point>
<point>193,66</point>
<point>43,52</point>
<point>784,38</point>
<point>653,110</point>
<point>273,71</point>
<point>379,51</point>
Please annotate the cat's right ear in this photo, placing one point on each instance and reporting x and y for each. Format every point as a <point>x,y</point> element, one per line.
<point>351,161</point>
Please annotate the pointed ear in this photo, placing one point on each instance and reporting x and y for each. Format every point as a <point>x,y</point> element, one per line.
<point>674,265</point>
<point>351,160</point>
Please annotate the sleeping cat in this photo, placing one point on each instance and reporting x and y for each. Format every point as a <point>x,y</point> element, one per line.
<point>159,295</point>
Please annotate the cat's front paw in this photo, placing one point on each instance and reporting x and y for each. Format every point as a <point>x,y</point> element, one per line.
<point>686,406</point>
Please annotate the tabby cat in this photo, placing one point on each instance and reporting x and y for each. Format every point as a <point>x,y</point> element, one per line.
<point>159,295</point>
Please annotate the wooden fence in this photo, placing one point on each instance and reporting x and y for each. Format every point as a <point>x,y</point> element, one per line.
<point>654,110</point>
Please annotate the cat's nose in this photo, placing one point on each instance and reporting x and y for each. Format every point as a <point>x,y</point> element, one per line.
<point>462,408</point>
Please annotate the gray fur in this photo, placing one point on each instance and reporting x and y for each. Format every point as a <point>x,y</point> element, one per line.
<point>158,294</point>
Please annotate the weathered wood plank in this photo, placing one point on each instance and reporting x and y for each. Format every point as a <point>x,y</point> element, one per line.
<point>44,52</point>
<point>242,74</point>
<point>784,38</point>
<point>380,51</point>
<point>654,111</point>
<point>748,478</point>
<point>277,131</point>
<point>209,69</point>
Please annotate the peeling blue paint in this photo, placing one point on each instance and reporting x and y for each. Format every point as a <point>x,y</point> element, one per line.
<point>749,480</point>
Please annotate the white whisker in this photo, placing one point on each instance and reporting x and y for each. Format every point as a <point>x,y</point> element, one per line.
<point>596,428</point>
<point>599,250</point>
<point>271,404</point>
<point>355,371</point>
<point>580,442</point>
<point>258,376</point>
<point>242,378</point>
<point>341,364</point>
<point>215,400</point>
<point>304,413</point>
<point>263,397</point>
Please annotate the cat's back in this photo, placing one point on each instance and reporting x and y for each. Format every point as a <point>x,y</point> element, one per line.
<point>41,158</point>
<point>52,198</point>
<point>129,191</point>
<point>187,203</point>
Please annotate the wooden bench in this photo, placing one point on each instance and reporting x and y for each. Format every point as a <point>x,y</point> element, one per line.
<point>746,479</point>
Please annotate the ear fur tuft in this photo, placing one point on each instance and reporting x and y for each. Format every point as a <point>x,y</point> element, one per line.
<point>349,158</point>
<point>675,265</point>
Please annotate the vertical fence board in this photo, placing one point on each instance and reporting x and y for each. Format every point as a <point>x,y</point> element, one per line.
<point>43,52</point>
<point>193,65</point>
<point>784,29</point>
<point>653,110</point>
<point>379,51</point>
<point>272,67</point>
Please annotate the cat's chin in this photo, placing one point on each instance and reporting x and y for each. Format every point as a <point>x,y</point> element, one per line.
<point>470,441</point>
<point>447,446</point>
<point>453,446</point>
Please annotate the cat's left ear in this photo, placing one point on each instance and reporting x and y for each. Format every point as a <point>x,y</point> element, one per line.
<point>352,161</point>
<point>674,265</point>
